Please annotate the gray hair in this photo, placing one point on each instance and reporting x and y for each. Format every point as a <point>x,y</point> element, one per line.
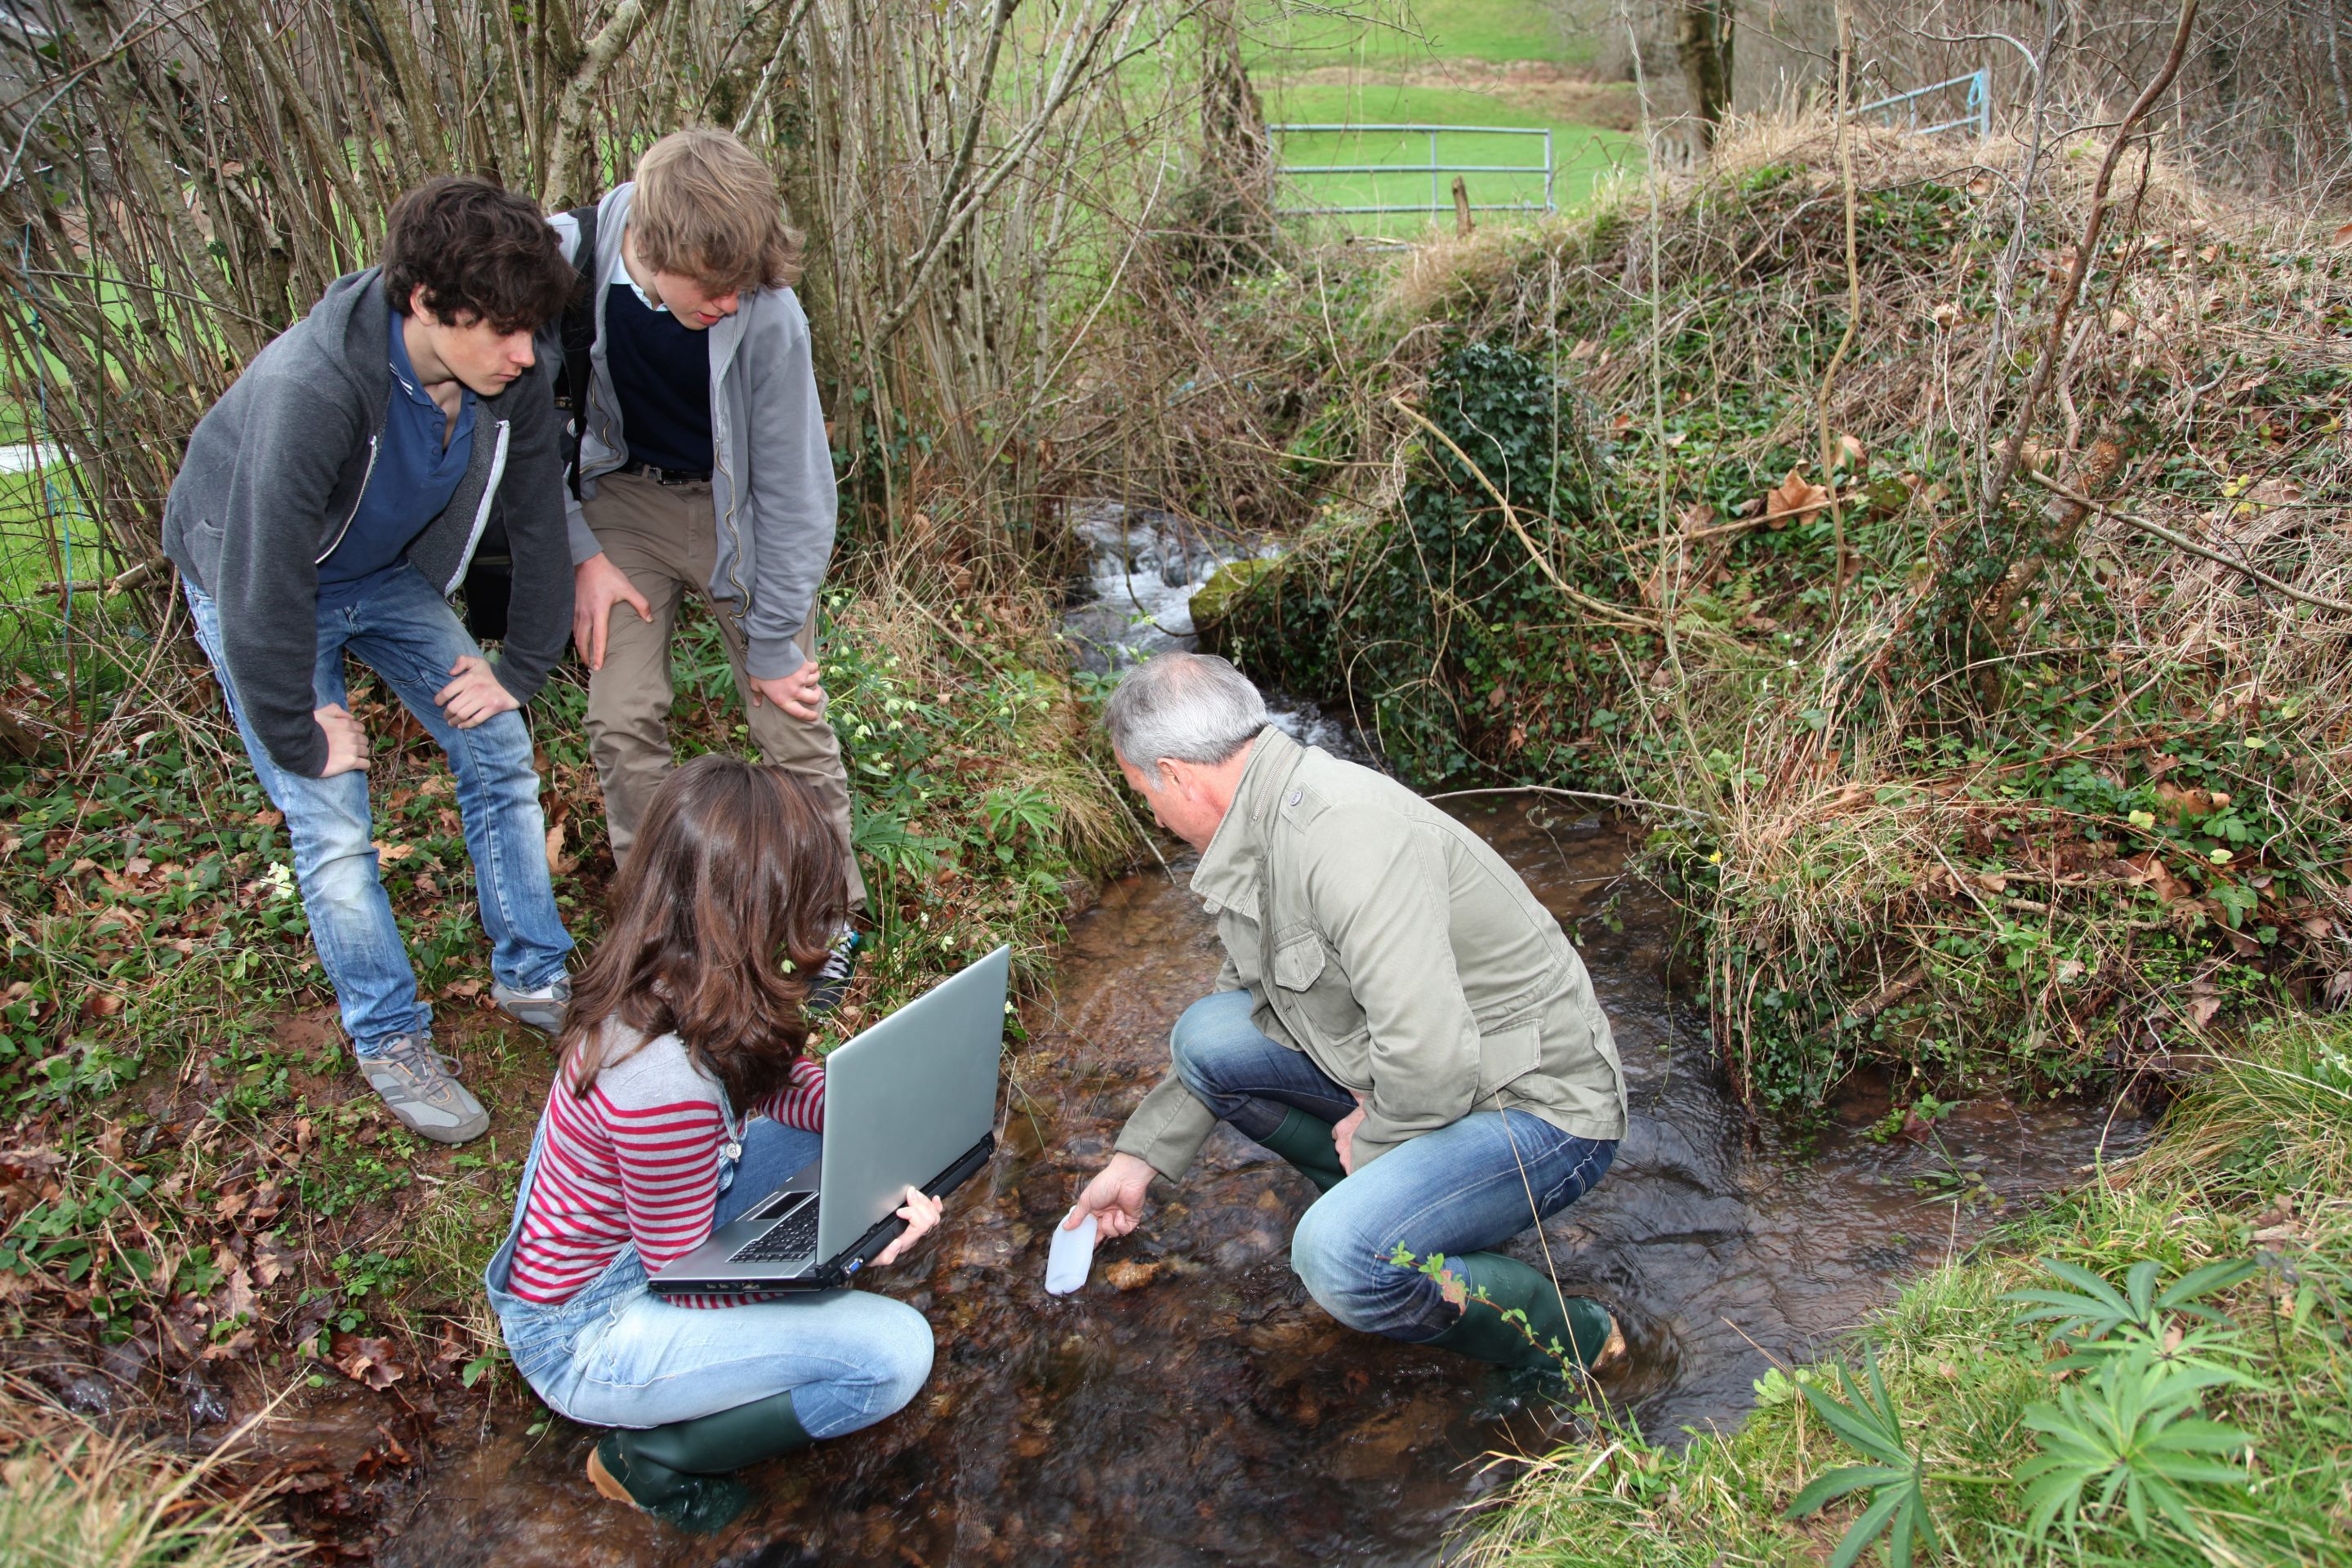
<point>1186,707</point>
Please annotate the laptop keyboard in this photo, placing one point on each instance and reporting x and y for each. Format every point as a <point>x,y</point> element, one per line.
<point>786,1241</point>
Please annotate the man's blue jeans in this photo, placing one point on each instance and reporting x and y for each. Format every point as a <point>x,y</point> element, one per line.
<point>1467,1187</point>
<point>408,635</point>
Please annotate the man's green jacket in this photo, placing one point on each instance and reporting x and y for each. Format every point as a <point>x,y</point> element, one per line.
<point>1387,942</point>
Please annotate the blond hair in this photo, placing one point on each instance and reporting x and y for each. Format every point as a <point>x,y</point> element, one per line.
<point>706,208</point>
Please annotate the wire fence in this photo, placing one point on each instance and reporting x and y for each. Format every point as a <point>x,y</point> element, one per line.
<point>1376,186</point>
<point>1904,107</point>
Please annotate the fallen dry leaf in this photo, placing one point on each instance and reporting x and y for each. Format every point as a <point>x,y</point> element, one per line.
<point>369,1360</point>
<point>1796,496</point>
<point>235,1300</point>
<point>1128,1275</point>
<point>2344,234</point>
<point>2181,804</point>
<point>558,864</point>
<point>2150,872</point>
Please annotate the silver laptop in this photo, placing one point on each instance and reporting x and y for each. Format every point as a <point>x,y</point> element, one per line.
<point>909,1102</point>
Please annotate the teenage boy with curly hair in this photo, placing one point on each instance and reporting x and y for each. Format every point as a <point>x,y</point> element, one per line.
<point>702,468</point>
<point>329,505</point>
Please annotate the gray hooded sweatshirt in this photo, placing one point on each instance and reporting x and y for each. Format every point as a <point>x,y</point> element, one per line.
<point>772,483</point>
<point>274,473</point>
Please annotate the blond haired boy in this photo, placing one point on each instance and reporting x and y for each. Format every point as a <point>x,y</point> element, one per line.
<point>703,467</point>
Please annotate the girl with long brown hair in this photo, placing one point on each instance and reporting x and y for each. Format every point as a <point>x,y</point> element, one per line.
<point>684,1096</point>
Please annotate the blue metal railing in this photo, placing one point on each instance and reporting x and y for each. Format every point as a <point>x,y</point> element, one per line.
<point>1437,202</point>
<point>1978,114</point>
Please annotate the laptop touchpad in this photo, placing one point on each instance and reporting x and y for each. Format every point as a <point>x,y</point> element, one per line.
<point>776,1204</point>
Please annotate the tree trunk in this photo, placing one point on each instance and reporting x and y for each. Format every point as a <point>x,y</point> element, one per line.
<point>1703,45</point>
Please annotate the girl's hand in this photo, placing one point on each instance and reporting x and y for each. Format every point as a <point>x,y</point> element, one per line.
<point>922,1213</point>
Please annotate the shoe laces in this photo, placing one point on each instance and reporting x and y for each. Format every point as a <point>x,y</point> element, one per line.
<point>417,1054</point>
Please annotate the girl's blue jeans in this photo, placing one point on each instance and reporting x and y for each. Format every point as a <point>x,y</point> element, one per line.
<point>1467,1187</point>
<point>617,1355</point>
<point>407,634</point>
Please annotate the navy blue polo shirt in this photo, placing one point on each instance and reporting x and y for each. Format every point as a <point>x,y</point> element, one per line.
<point>661,375</point>
<point>414,475</point>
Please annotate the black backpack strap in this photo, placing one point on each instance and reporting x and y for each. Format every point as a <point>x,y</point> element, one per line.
<point>578,342</point>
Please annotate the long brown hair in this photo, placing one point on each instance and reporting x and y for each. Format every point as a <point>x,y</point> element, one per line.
<point>735,869</point>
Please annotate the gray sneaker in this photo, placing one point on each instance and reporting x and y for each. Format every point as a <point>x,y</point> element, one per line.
<point>542,1009</point>
<point>420,1086</point>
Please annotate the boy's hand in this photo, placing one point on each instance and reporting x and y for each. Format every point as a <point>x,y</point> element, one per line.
<point>476,695</point>
<point>347,743</point>
<point>596,586</point>
<point>800,694</point>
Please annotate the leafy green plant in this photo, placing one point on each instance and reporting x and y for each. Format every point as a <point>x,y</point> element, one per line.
<point>2132,1431</point>
<point>1867,1421</point>
<point>2095,1322</point>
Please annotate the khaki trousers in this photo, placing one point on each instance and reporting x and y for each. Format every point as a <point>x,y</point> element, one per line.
<point>665,538</point>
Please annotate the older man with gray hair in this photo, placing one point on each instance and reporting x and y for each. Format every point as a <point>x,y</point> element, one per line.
<point>1397,1017</point>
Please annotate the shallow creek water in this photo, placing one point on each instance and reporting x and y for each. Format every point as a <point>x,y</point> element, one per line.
<point>1192,1405</point>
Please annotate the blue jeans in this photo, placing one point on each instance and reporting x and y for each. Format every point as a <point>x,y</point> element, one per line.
<point>1467,1187</point>
<point>408,635</point>
<point>617,1355</point>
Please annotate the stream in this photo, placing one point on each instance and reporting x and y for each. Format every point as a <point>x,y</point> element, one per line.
<point>1191,1406</point>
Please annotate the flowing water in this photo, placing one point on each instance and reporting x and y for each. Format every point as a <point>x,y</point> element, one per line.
<point>1192,1405</point>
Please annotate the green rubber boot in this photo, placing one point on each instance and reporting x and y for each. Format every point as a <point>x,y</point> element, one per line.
<point>1305,1142</point>
<point>681,1473</point>
<point>1580,1328</point>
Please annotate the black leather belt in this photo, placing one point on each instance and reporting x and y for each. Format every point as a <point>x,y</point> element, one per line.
<point>667,476</point>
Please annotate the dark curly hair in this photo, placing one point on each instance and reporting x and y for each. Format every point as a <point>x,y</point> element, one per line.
<point>480,251</point>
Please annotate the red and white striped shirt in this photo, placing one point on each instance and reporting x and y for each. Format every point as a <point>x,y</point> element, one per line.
<point>635,1160</point>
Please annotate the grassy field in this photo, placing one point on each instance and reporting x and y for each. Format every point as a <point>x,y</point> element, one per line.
<point>1395,32</point>
<point>1581,155</point>
<point>1431,64</point>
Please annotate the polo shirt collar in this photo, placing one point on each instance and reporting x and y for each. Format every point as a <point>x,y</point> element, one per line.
<point>404,369</point>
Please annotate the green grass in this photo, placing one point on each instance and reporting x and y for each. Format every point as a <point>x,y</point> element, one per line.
<point>1581,154</point>
<point>2252,1166</point>
<point>1396,34</point>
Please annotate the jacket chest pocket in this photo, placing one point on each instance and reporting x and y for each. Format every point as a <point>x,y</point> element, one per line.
<point>1311,991</point>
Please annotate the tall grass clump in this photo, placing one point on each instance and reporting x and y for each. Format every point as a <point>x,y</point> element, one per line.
<point>72,1497</point>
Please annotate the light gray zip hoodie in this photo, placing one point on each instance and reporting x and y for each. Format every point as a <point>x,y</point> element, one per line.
<point>772,482</point>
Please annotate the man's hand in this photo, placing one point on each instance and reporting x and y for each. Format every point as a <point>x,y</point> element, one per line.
<point>347,744</point>
<point>1343,1134</point>
<point>596,586</point>
<point>800,694</point>
<point>476,695</point>
<point>921,1213</point>
<point>1115,1197</point>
